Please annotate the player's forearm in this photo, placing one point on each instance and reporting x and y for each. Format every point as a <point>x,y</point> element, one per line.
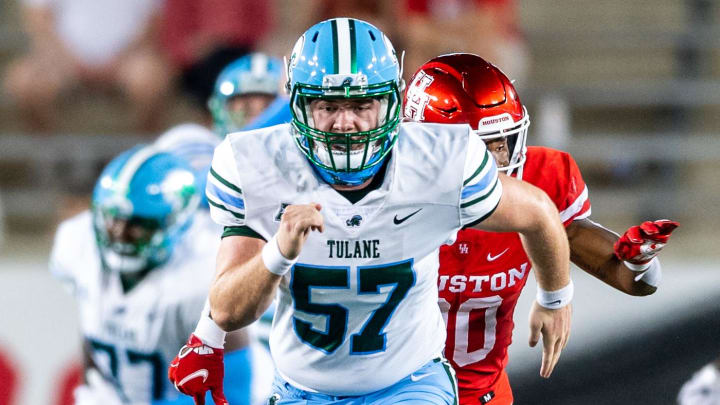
<point>547,247</point>
<point>526,209</point>
<point>241,294</point>
<point>615,274</point>
<point>243,288</point>
<point>591,249</point>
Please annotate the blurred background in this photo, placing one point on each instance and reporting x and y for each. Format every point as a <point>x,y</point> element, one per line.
<point>631,89</point>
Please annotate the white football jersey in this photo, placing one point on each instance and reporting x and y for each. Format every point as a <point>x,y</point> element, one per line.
<point>133,337</point>
<point>358,312</point>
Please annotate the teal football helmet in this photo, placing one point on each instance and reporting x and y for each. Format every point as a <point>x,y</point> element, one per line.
<point>252,74</point>
<point>345,59</point>
<point>142,204</point>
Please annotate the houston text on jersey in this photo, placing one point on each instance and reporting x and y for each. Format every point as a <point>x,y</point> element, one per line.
<point>496,281</point>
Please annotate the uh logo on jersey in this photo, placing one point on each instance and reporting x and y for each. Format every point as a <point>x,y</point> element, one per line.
<point>462,248</point>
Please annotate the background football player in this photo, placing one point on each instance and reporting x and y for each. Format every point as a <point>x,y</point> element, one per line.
<point>483,273</point>
<point>138,265</point>
<point>353,206</point>
<point>247,95</point>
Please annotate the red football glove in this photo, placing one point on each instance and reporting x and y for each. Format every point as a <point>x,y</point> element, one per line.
<point>640,244</point>
<point>197,369</point>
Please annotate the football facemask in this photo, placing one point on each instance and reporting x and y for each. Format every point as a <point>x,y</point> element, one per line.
<point>515,134</point>
<point>128,244</point>
<point>348,158</point>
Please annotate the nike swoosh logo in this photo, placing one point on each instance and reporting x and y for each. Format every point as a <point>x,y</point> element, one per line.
<point>491,258</point>
<point>200,373</point>
<point>415,378</point>
<point>555,302</point>
<point>400,221</point>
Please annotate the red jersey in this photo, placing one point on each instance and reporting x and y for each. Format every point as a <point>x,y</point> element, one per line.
<point>482,274</point>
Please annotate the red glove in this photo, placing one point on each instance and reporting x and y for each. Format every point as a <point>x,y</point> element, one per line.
<point>197,369</point>
<point>640,244</point>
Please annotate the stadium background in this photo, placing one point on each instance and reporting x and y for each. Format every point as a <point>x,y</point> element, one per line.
<point>631,89</point>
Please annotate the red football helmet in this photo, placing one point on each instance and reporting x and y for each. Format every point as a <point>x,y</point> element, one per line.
<point>463,88</point>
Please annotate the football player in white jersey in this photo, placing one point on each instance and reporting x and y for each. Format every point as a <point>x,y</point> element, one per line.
<point>137,263</point>
<point>248,95</point>
<point>341,214</point>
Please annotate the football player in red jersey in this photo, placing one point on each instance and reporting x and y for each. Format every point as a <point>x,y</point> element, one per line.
<point>482,274</point>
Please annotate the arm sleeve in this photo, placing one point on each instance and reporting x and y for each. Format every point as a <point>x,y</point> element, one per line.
<point>481,189</point>
<point>223,191</point>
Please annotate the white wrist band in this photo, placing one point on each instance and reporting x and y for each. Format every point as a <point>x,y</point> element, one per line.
<point>273,259</point>
<point>652,275</point>
<point>208,331</point>
<point>639,267</point>
<point>555,299</point>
